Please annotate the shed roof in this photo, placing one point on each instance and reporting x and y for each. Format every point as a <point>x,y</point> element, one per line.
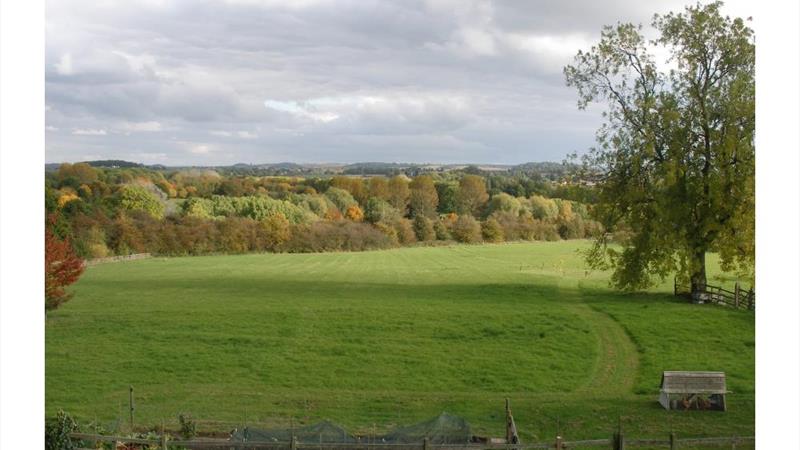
<point>681,382</point>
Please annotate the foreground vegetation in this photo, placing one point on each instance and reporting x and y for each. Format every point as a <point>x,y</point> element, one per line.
<point>385,338</point>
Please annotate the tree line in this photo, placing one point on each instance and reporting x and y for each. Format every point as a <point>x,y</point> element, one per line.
<point>105,212</point>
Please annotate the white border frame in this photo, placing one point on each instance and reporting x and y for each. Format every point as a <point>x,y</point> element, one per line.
<point>21,224</point>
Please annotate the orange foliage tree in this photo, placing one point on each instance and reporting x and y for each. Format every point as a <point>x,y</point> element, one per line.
<point>62,267</point>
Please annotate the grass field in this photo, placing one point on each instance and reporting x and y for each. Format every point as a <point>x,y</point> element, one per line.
<point>386,338</point>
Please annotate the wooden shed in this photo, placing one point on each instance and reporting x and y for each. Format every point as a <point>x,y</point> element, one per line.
<point>693,390</point>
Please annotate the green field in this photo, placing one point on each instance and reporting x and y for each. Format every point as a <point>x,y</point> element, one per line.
<point>386,338</point>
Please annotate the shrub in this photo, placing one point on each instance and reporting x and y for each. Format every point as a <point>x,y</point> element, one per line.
<point>188,427</point>
<point>466,229</point>
<point>491,231</point>
<point>503,202</point>
<point>57,430</point>
<point>354,213</point>
<point>442,233</point>
<point>377,210</point>
<point>423,228</point>
<point>388,230</point>
<point>341,198</point>
<point>405,231</point>
<point>274,232</point>
<point>336,236</point>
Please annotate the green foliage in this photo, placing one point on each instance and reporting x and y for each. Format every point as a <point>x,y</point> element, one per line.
<point>505,203</point>
<point>677,153</point>
<point>378,210</point>
<point>57,430</point>
<point>447,193</point>
<point>341,198</point>
<point>543,208</point>
<point>253,207</point>
<point>188,428</point>
<point>137,198</point>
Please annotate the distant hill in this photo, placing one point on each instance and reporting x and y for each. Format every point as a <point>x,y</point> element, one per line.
<point>547,170</point>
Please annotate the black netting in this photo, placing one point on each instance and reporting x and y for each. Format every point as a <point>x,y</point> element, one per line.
<point>443,429</point>
<point>325,432</point>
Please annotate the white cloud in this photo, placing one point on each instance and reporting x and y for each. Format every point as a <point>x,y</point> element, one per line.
<point>308,110</point>
<point>88,132</point>
<point>64,65</point>
<point>200,149</point>
<point>246,134</point>
<point>142,126</point>
<point>477,41</point>
<point>220,133</point>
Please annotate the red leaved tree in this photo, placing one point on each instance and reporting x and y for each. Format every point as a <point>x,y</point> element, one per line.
<point>62,267</point>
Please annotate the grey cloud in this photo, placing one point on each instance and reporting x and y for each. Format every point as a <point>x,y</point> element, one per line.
<point>443,80</point>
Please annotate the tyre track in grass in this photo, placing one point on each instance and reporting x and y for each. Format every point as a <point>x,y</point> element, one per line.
<point>617,359</point>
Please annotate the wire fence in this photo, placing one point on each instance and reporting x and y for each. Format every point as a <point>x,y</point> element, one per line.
<point>618,441</point>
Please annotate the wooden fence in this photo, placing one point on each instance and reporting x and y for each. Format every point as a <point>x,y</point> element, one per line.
<point>617,442</point>
<point>737,298</point>
<point>96,261</point>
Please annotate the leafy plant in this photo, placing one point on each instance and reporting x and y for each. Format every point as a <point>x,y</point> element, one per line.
<point>57,430</point>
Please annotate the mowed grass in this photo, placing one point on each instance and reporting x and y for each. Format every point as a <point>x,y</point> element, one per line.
<point>378,339</point>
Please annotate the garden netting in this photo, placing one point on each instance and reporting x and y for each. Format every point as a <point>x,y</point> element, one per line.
<point>442,429</point>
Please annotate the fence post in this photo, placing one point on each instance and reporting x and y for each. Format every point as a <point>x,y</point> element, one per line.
<point>293,444</point>
<point>426,444</point>
<point>559,443</point>
<point>673,443</point>
<point>130,402</point>
<point>736,295</point>
<point>619,438</point>
<point>163,436</point>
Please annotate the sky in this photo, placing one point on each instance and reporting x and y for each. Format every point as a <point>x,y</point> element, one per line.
<point>204,82</point>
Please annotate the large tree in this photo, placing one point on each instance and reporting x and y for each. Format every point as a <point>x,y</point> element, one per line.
<point>472,195</point>
<point>423,199</point>
<point>676,154</point>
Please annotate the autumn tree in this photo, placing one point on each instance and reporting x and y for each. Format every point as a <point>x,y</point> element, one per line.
<point>378,187</point>
<point>492,231</point>
<point>423,199</point>
<point>61,267</point>
<point>472,195</point>
<point>399,193</point>
<point>467,230</point>
<point>355,186</point>
<point>676,154</point>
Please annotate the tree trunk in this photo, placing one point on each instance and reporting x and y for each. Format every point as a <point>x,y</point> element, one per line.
<point>698,278</point>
